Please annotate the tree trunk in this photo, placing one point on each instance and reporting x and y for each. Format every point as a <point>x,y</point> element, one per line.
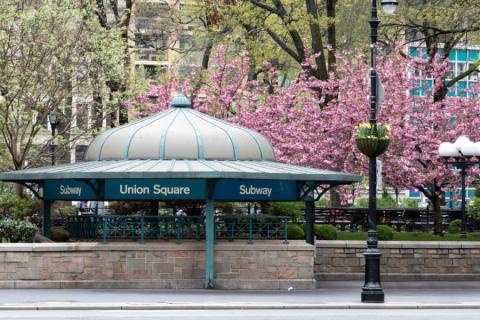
<point>334,198</point>
<point>331,36</point>
<point>437,216</point>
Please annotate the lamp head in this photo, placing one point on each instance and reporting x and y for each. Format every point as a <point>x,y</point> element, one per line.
<point>389,6</point>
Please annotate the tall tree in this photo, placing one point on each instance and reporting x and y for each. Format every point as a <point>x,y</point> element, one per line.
<point>440,26</point>
<point>48,52</point>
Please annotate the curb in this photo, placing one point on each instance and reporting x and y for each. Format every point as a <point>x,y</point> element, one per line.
<point>235,306</point>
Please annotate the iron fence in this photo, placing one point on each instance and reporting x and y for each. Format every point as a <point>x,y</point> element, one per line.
<point>140,227</point>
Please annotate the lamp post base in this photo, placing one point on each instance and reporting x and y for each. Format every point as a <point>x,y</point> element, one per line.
<point>373,296</point>
<point>372,291</point>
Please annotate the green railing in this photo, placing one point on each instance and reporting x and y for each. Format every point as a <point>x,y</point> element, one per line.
<point>138,227</point>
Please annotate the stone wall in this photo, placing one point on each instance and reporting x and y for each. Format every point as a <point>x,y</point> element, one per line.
<point>238,265</point>
<point>401,261</point>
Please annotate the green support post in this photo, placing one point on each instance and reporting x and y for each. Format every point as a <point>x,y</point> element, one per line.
<point>104,230</point>
<point>47,218</point>
<point>209,239</point>
<point>309,219</point>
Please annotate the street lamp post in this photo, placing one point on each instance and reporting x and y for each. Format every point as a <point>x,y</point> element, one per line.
<point>53,123</point>
<point>463,154</point>
<point>372,290</point>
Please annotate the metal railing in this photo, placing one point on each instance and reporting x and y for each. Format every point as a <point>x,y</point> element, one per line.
<point>140,227</point>
<point>401,219</point>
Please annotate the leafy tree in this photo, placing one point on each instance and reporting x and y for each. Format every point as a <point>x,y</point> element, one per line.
<point>439,26</point>
<point>48,53</point>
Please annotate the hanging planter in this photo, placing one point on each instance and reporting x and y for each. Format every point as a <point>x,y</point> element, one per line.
<point>372,147</point>
<point>372,143</point>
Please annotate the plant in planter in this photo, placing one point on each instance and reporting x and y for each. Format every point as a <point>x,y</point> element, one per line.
<point>371,141</point>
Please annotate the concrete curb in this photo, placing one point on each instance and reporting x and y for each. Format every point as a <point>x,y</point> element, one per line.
<point>234,306</point>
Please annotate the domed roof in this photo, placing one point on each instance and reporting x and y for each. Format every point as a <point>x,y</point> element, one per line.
<point>180,133</point>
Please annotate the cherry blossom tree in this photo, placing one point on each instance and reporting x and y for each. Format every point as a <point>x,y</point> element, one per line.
<point>307,129</point>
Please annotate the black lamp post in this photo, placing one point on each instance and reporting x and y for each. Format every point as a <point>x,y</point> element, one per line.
<point>372,290</point>
<point>53,123</point>
<point>463,154</point>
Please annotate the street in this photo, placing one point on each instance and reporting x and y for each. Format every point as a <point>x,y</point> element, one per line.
<point>449,314</point>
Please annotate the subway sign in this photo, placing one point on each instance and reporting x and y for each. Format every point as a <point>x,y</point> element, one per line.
<point>69,190</point>
<point>256,190</point>
<point>171,189</point>
<point>155,189</point>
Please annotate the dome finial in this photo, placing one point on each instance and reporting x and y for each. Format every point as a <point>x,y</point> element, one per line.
<point>180,101</point>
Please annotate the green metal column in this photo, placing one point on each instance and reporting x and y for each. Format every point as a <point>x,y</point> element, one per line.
<point>47,218</point>
<point>309,219</point>
<point>209,238</point>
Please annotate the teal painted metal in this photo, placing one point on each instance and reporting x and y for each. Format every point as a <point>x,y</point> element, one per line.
<point>105,231</point>
<point>47,218</point>
<point>200,153</point>
<point>251,227</point>
<point>143,169</point>
<point>256,190</point>
<point>231,227</point>
<point>163,136</point>
<point>130,138</point>
<point>209,244</point>
<point>68,190</point>
<point>234,144</point>
<point>100,150</point>
<point>180,101</point>
<point>155,189</point>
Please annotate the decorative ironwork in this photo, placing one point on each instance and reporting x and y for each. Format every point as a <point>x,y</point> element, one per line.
<point>139,227</point>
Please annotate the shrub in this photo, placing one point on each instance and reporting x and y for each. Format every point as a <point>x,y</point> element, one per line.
<point>11,206</point>
<point>325,232</point>
<point>295,232</point>
<point>291,209</point>
<point>384,233</point>
<point>16,230</point>
<point>409,203</point>
<point>455,226</point>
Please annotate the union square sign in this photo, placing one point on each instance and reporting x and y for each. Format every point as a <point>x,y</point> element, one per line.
<point>170,189</point>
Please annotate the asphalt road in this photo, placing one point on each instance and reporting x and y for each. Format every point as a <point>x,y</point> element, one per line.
<point>450,314</point>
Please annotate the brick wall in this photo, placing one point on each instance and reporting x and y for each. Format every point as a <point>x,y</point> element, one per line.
<point>401,261</point>
<point>262,265</point>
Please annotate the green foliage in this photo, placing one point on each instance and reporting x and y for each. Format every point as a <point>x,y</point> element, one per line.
<point>295,232</point>
<point>383,202</point>
<point>384,233</point>
<point>17,208</point>
<point>409,203</point>
<point>129,207</point>
<point>325,232</point>
<point>386,202</point>
<point>474,207</point>
<point>411,236</point>
<point>48,50</point>
<point>455,226</point>
<point>322,203</point>
<point>291,209</point>
<point>16,230</point>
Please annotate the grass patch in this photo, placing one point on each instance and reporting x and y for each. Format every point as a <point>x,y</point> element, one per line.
<point>411,236</point>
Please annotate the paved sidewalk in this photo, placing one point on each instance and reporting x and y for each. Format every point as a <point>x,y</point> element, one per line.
<point>331,295</point>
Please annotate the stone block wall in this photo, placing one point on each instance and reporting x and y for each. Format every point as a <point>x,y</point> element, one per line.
<point>238,265</point>
<point>400,261</point>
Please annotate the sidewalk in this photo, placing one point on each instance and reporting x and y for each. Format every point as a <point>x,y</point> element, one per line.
<point>332,295</point>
